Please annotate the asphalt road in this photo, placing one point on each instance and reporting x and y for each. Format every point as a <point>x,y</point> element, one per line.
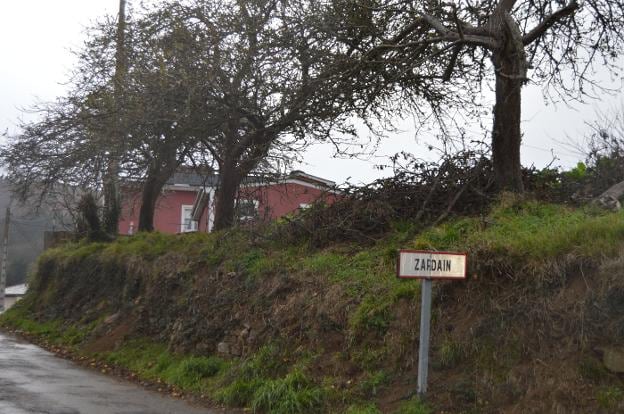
<point>34,381</point>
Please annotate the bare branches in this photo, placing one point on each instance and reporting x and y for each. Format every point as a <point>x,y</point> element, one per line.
<point>548,21</point>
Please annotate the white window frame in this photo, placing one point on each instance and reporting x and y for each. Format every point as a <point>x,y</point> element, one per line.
<point>188,209</point>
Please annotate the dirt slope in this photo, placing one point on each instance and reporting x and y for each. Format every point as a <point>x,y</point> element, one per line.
<point>527,332</point>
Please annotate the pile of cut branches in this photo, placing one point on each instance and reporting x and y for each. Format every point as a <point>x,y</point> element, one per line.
<point>421,193</point>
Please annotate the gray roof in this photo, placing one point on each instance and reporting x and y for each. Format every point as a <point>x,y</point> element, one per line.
<point>195,179</point>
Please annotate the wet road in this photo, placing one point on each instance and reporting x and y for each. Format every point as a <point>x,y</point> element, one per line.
<point>34,381</point>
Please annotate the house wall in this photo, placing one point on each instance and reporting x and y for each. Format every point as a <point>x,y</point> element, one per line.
<point>168,215</point>
<point>278,200</point>
<point>274,201</point>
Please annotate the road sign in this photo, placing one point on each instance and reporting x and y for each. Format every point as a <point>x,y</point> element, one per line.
<point>421,264</point>
<point>428,265</point>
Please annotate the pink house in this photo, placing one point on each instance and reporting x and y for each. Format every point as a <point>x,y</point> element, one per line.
<point>187,201</point>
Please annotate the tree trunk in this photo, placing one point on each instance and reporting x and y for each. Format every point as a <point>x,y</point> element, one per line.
<point>506,136</point>
<point>229,181</point>
<point>511,67</point>
<point>610,199</point>
<point>156,179</point>
<point>112,204</point>
<point>112,198</point>
<point>149,197</point>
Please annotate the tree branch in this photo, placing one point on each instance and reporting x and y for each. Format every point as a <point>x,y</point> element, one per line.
<point>548,22</point>
<point>438,26</point>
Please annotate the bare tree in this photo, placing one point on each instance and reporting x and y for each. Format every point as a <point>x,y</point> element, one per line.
<point>457,46</point>
<point>270,85</point>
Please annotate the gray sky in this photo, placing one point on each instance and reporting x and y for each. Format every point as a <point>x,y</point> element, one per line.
<point>36,37</point>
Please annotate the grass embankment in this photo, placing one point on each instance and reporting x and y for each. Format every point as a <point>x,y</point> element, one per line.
<point>333,330</point>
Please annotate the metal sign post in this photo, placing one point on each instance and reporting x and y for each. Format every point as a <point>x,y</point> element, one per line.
<point>428,265</point>
<point>423,347</point>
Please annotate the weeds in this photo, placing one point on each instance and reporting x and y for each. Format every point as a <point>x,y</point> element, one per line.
<point>363,409</point>
<point>592,370</point>
<point>414,406</point>
<point>450,353</point>
<point>154,362</point>
<point>373,383</point>
<point>530,231</point>
<point>295,393</point>
<point>373,314</point>
<point>610,397</point>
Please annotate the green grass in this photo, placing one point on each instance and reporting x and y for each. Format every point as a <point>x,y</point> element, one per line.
<point>292,394</point>
<point>152,361</point>
<point>362,409</point>
<point>53,331</point>
<point>530,231</point>
<point>450,353</point>
<point>272,380</point>
<point>373,314</point>
<point>610,397</point>
<point>264,384</point>
<point>414,406</point>
<point>373,383</point>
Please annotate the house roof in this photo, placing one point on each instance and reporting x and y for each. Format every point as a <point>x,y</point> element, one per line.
<point>193,179</point>
<point>16,290</point>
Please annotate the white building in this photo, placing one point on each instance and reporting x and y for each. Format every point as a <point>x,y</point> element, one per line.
<point>14,293</point>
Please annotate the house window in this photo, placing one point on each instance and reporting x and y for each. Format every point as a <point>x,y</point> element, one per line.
<point>187,222</point>
<point>247,210</point>
<point>304,206</point>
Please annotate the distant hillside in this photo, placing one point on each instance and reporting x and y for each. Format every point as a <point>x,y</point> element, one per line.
<point>245,319</point>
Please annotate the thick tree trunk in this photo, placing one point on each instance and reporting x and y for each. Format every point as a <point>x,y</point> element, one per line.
<point>229,181</point>
<point>156,179</point>
<point>511,68</point>
<point>506,135</point>
<point>149,197</point>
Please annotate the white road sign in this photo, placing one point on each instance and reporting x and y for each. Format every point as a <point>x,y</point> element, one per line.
<point>419,264</point>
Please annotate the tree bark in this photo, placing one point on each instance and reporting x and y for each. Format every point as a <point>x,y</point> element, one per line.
<point>229,182</point>
<point>610,199</point>
<point>510,66</point>
<point>112,198</point>
<point>149,197</point>
<point>157,177</point>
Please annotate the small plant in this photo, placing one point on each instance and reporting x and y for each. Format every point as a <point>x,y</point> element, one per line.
<point>201,367</point>
<point>238,393</point>
<point>450,354</point>
<point>191,371</point>
<point>373,314</point>
<point>295,393</point>
<point>414,406</point>
<point>610,398</point>
<point>363,409</point>
<point>592,370</point>
<point>373,383</point>
<point>264,363</point>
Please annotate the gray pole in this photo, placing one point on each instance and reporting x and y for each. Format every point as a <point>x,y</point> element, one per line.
<point>423,350</point>
<point>5,253</point>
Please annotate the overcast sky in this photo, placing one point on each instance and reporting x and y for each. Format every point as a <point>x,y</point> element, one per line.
<point>36,37</point>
